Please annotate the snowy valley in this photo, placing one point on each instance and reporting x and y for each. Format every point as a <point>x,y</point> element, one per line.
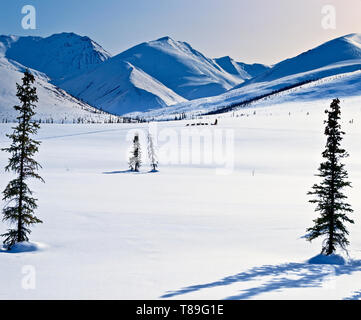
<point>226,214</point>
<point>189,231</point>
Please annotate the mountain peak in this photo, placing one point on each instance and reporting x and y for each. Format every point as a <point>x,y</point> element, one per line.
<point>59,56</point>
<point>164,39</point>
<point>225,58</point>
<point>179,67</point>
<point>67,34</point>
<point>70,35</point>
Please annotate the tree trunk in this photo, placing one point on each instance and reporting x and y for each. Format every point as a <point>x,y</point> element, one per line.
<point>20,207</point>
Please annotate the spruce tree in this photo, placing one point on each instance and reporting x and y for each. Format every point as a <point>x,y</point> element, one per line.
<point>152,154</point>
<point>135,156</point>
<point>18,196</point>
<point>329,195</point>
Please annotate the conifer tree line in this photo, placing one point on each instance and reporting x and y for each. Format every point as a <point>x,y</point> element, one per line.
<point>20,203</point>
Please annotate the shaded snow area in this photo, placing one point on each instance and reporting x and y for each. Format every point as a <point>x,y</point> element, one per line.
<point>332,259</point>
<point>189,231</point>
<point>24,247</point>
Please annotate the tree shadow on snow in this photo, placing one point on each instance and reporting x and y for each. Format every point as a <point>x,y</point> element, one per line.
<point>284,276</point>
<point>130,171</point>
<point>24,247</point>
<point>118,172</point>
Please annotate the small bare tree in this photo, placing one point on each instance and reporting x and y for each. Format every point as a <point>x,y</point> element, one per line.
<point>135,155</point>
<point>152,153</point>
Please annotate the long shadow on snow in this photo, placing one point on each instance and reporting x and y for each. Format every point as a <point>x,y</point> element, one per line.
<point>118,172</point>
<point>285,276</point>
<point>129,171</point>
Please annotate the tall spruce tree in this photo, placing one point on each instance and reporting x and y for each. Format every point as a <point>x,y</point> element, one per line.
<point>329,195</point>
<point>135,156</point>
<point>18,196</point>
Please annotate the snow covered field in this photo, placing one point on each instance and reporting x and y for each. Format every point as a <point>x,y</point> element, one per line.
<point>187,232</point>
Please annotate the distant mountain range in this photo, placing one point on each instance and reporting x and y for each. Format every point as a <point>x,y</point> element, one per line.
<point>333,68</point>
<point>151,75</point>
<point>155,77</point>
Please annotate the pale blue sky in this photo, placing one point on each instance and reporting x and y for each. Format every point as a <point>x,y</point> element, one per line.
<point>264,31</point>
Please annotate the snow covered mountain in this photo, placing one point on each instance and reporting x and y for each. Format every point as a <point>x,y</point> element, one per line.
<point>59,56</point>
<point>336,56</point>
<point>337,61</point>
<point>179,67</point>
<point>54,104</point>
<point>151,75</point>
<point>119,87</point>
<point>341,86</point>
<point>241,70</point>
<point>159,77</point>
<point>51,60</point>
<point>333,57</point>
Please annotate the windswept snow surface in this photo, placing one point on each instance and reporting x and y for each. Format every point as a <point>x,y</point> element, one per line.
<point>189,231</point>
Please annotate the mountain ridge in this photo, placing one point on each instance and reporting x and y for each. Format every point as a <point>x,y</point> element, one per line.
<point>119,87</point>
<point>166,73</point>
<point>60,56</point>
<point>54,103</point>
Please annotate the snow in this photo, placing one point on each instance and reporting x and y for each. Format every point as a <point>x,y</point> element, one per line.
<point>153,75</point>
<point>22,247</point>
<point>338,58</point>
<point>179,67</point>
<point>333,259</point>
<point>346,48</point>
<point>60,56</point>
<point>345,84</point>
<point>227,222</point>
<point>156,79</point>
<point>239,69</point>
<point>119,87</point>
<point>186,232</point>
<point>54,104</point>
